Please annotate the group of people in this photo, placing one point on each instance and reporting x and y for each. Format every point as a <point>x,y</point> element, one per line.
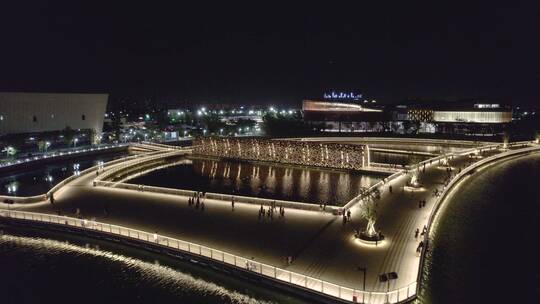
<point>417,231</point>
<point>270,211</point>
<point>346,216</point>
<point>198,200</point>
<point>421,203</point>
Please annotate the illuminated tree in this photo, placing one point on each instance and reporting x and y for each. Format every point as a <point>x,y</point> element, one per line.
<point>368,210</point>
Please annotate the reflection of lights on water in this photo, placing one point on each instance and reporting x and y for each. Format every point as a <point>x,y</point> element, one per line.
<point>161,275</point>
<point>49,178</point>
<point>12,187</point>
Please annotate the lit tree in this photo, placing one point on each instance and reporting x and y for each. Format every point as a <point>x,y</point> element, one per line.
<point>368,210</point>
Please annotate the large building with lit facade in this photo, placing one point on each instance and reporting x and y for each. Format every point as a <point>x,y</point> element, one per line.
<point>472,118</point>
<point>341,115</point>
<point>41,112</point>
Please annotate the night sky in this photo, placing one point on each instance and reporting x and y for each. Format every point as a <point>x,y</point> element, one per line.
<point>263,52</point>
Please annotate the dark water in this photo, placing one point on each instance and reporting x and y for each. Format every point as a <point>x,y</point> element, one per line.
<point>261,180</point>
<point>485,247</point>
<point>395,158</point>
<point>37,269</point>
<point>38,179</point>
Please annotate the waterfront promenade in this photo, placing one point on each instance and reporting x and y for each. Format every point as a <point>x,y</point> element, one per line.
<point>320,244</point>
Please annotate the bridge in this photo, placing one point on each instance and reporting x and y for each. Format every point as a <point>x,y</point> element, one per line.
<point>326,257</point>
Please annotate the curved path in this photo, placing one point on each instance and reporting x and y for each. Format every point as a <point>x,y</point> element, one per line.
<point>321,245</point>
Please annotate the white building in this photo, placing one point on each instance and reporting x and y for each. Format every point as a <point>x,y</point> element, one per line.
<point>39,112</point>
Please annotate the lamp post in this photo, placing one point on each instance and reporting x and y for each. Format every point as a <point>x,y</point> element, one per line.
<point>364,270</point>
<point>387,277</point>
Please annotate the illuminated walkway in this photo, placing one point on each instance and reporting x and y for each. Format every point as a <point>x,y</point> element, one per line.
<point>320,244</point>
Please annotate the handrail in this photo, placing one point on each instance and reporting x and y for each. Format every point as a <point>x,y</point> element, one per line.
<point>60,154</point>
<point>271,272</point>
<point>457,178</point>
<point>360,197</point>
<point>44,196</point>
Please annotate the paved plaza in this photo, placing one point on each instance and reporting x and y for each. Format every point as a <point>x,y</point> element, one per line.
<point>320,244</point>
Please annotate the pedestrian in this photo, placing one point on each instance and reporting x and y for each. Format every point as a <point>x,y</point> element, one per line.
<point>423,203</point>
<point>52,198</point>
<point>390,188</point>
<point>416,233</point>
<point>349,214</point>
<point>419,204</point>
<point>232,203</point>
<point>344,219</point>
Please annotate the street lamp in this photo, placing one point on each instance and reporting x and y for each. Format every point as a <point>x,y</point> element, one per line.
<point>387,277</point>
<point>75,142</point>
<point>47,144</point>
<point>364,270</point>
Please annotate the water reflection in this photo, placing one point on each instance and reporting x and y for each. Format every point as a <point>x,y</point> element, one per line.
<point>41,266</point>
<point>38,179</point>
<point>261,180</point>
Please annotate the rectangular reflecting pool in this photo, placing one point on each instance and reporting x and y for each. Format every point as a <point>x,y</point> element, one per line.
<point>261,180</point>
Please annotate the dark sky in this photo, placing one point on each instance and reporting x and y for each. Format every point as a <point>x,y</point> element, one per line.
<point>265,52</point>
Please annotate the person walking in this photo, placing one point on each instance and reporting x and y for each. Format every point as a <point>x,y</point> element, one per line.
<point>349,214</point>
<point>416,233</point>
<point>232,203</point>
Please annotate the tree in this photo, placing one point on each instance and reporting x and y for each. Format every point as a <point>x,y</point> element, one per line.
<point>42,145</point>
<point>213,123</point>
<point>68,133</point>
<point>276,124</point>
<point>369,212</point>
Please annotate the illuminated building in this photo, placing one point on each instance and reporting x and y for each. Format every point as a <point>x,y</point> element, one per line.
<point>40,112</point>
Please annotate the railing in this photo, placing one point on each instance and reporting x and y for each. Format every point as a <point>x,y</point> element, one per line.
<point>430,161</point>
<point>398,139</point>
<point>141,160</point>
<point>44,196</point>
<point>169,147</point>
<point>219,196</point>
<point>281,275</point>
<point>452,183</point>
<point>60,154</point>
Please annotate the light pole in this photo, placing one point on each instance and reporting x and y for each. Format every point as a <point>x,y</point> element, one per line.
<point>364,270</point>
<point>75,142</point>
<point>387,277</point>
